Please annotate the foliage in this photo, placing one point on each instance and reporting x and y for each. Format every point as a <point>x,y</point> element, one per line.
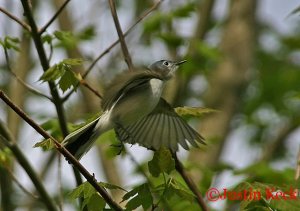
<point>267,105</point>
<point>63,72</point>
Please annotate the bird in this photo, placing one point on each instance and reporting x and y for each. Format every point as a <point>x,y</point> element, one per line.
<point>133,106</point>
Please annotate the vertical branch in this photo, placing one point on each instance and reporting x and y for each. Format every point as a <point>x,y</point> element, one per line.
<point>126,54</point>
<point>45,65</point>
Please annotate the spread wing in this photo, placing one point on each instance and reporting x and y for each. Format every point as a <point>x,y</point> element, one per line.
<point>161,128</point>
<point>122,84</point>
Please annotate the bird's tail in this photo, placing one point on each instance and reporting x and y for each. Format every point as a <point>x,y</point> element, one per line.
<point>81,140</point>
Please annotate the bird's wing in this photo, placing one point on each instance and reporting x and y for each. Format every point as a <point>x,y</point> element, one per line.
<point>161,128</point>
<point>122,84</point>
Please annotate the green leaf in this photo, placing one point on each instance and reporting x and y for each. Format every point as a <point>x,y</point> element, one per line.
<point>141,196</point>
<point>85,190</point>
<point>171,39</point>
<point>130,194</point>
<point>193,111</point>
<point>53,73</point>
<point>68,80</point>
<point>282,204</point>
<point>47,38</point>
<point>91,199</point>
<point>52,126</point>
<point>87,33</point>
<point>184,10</point>
<point>5,157</point>
<point>181,190</point>
<point>46,144</point>
<point>95,203</point>
<point>11,43</point>
<point>111,186</point>
<point>66,38</point>
<point>145,196</point>
<point>162,161</point>
<point>72,61</point>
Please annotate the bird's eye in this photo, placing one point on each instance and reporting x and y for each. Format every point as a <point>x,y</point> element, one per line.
<point>166,63</point>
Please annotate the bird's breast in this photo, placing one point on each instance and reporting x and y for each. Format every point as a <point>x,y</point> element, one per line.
<point>156,87</point>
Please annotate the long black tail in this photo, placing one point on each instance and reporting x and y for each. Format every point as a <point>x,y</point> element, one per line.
<point>81,140</point>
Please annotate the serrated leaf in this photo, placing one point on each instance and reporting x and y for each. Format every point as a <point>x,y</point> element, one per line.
<point>68,80</point>
<point>46,144</point>
<point>181,190</point>
<point>133,203</point>
<point>67,39</point>
<point>193,111</point>
<point>140,196</point>
<point>111,186</point>
<point>52,73</point>
<point>145,196</point>
<point>85,189</point>
<point>77,192</point>
<point>72,61</point>
<point>95,203</point>
<point>162,161</point>
<point>130,194</point>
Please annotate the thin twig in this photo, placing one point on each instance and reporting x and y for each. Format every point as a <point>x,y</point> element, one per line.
<point>84,83</point>
<point>20,185</point>
<point>124,48</point>
<point>109,48</point>
<point>30,88</point>
<point>190,183</point>
<point>89,177</point>
<point>44,28</point>
<point>11,16</point>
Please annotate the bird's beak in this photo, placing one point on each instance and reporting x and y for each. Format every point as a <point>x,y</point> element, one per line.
<point>181,62</point>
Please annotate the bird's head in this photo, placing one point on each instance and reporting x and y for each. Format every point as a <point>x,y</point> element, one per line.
<point>165,68</point>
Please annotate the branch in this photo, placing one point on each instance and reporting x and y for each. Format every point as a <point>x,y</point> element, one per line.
<point>11,16</point>
<point>190,183</point>
<point>44,28</point>
<point>6,138</point>
<point>89,177</point>
<point>14,178</point>
<point>124,48</point>
<point>30,88</point>
<point>45,65</point>
<point>108,49</point>
<point>84,83</point>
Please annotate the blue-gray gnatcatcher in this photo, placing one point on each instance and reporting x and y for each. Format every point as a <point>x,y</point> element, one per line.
<point>133,106</point>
